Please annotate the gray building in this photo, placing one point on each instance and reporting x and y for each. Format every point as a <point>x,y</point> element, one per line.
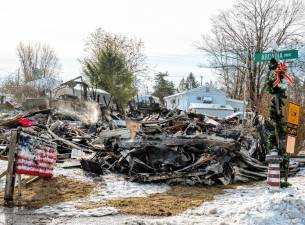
<point>206,100</point>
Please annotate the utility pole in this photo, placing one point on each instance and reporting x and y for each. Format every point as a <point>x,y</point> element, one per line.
<point>201,80</point>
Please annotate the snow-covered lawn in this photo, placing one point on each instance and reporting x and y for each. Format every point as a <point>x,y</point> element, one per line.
<point>245,205</point>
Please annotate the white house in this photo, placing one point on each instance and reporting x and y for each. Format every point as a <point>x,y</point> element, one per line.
<point>206,100</point>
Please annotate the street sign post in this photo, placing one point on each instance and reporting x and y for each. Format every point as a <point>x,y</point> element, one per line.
<point>280,55</point>
<point>292,126</point>
<point>293,120</point>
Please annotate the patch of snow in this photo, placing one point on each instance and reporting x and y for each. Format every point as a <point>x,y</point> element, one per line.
<point>246,205</point>
<point>69,210</point>
<point>118,187</point>
<point>107,187</point>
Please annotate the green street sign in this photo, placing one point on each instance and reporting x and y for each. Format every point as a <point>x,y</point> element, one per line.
<point>281,55</point>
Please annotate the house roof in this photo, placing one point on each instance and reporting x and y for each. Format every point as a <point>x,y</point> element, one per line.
<point>194,90</point>
<point>204,87</point>
<point>210,106</point>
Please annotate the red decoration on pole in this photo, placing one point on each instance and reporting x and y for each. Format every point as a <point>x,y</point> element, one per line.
<point>281,72</point>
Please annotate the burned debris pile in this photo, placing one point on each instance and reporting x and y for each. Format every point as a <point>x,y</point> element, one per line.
<point>67,131</point>
<point>170,146</point>
<point>189,149</point>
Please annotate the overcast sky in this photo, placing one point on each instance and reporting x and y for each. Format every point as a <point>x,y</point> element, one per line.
<point>169,29</point>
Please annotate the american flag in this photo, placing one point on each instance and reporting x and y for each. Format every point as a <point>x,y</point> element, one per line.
<point>35,156</point>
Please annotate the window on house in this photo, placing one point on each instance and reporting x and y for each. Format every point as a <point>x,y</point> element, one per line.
<point>199,98</point>
<point>207,100</point>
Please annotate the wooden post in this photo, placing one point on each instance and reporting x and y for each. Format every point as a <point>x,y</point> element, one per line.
<point>10,177</point>
<point>19,186</point>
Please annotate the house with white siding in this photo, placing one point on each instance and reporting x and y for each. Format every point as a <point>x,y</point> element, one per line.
<point>206,100</point>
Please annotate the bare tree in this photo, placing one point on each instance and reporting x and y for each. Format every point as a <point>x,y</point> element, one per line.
<point>37,61</point>
<point>251,26</point>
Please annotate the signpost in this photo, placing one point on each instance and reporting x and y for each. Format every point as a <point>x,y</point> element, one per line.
<point>280,55</point>
<point>292,128</point>
<point>278,71</point>
<point>292,125</point>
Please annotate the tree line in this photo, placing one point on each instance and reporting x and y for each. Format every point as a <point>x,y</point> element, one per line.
<point>112,62</point>
<point>116,62</point>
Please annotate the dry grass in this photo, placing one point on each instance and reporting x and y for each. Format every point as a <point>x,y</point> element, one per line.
<point>48,191</point>
<point>172,202</point>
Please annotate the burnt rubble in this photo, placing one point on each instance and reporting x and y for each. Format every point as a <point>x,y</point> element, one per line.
<point>188,149</point>
<point>63,128</point>
<point>172,147</point>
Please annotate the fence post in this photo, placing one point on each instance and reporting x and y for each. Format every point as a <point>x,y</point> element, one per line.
<point>10,176</point>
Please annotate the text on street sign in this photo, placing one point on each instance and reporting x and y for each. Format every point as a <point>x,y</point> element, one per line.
<point>281,55</point>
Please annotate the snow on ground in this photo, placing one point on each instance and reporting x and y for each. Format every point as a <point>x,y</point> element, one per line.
<point>246,205</point>
<point>107,187</point>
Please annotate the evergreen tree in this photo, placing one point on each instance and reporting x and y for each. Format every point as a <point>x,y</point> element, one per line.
<point>188,83</point>
<point>163,87</point>
<point>112,63</point>
<point>109,72</point>
<point>182,85</point>
<point>191,82</point>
